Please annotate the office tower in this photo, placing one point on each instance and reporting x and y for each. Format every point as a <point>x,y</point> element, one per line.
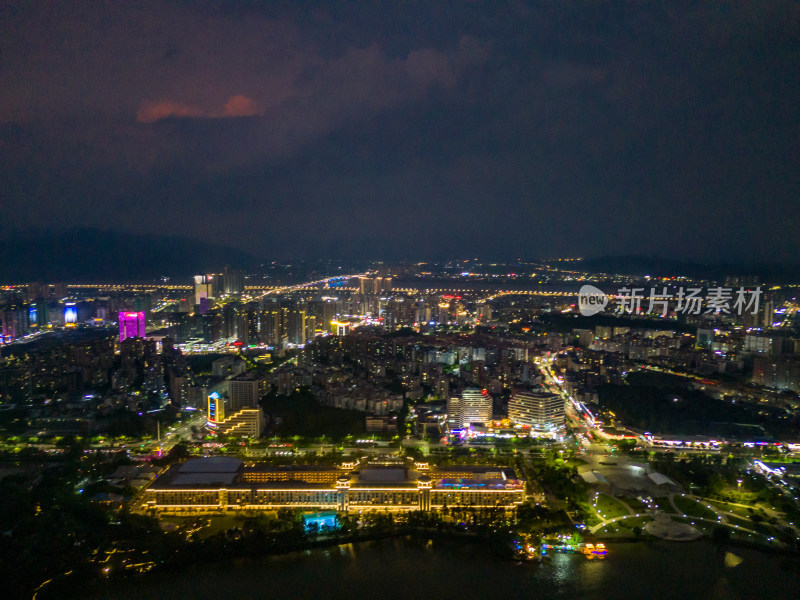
<point>42,313</point>
<point>178,388</point>
<point>13,322</point>
<point>473,406</point>
<point>242,392</point>
<point>131,325</point>
<point>541,411</point>
<point>780,372</point>
<point>484,311</point>
<point>217,284</point>
<point>233,281</point>
<point>203,288</point>
<point>296,330</point>
<point>34,291</point>
<point>272,322</point>
<point>768,314</point>
<point>143,303</point>
<point>230,314</point>
<point>243,328</point>
<point>70,315</point>
<point>216,408</point>
<point>374,285</point>
<point>704,339</point>
<point>60,290</point>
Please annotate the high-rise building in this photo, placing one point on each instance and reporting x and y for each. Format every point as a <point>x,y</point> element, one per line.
<point>781,373</point>
<point>131,325</point>
<point>34,291</point>
<point>296,330</point>
<point>473,406</point>
<point>216,408</point>
<point>230,315</point>
<point>768,313</point>
<point>242,392</point>
<point>374,285</point>
<point>543,412</point>
<point>70,314</point>
<point>233,280</point>
<point>60,290</point>
<point>203,288</point>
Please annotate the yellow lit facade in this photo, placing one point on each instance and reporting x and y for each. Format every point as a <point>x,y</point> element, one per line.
<point>397,487</point>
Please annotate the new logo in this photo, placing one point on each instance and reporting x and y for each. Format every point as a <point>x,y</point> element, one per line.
<point>591,300</point>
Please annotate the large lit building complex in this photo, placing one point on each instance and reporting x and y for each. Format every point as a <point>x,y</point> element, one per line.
<point>395,484</point>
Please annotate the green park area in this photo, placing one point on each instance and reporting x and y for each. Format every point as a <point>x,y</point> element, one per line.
<point>625,527</point>
<point>741,511</point>
<point>609,507</point>
<point>694,508</point>
<point>636,505</point>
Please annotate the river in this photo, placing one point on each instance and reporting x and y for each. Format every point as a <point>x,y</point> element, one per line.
<point>402,568</point>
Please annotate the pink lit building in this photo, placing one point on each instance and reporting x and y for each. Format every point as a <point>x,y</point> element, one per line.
<point>131,324</point>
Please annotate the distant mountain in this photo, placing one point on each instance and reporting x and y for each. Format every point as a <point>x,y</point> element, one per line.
<point>667,267</point>
<point>91,255</point>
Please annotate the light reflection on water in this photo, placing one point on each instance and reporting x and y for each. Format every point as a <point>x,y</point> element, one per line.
<point>418,569</point>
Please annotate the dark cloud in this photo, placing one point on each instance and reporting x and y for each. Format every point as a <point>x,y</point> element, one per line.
<point>409,129</point>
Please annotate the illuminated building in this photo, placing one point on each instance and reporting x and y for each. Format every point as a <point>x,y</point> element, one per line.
<point>131,324</point>
<point>473,406</point>
<point>70,315</point>
<point>209,484</point>
<point>42,313</point>
<point>246,422</point>
<point>374,285</point>
<point>242,391</point>
<point>543,412</point>
<point>203,288</point>
<point>216,408</point>
<point>296,328</point>
<point>340,328</point>
<point>233,281</point>
<point>782,372</point>
<point>239,413</point>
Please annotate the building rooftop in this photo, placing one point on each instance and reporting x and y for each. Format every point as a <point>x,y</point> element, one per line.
<point>212,464</point>
<point>383,474</point>
<point>204,478</point>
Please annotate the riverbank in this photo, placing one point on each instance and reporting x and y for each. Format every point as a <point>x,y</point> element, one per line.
<point>413,567</point>
<point>495,546</point>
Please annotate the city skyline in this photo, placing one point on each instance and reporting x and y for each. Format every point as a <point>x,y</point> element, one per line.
<point>378,298</point>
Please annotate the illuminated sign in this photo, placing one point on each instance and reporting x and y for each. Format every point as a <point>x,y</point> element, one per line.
<point>70,314</point>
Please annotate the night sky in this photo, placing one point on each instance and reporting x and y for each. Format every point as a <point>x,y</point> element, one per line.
<point>405,131</point>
